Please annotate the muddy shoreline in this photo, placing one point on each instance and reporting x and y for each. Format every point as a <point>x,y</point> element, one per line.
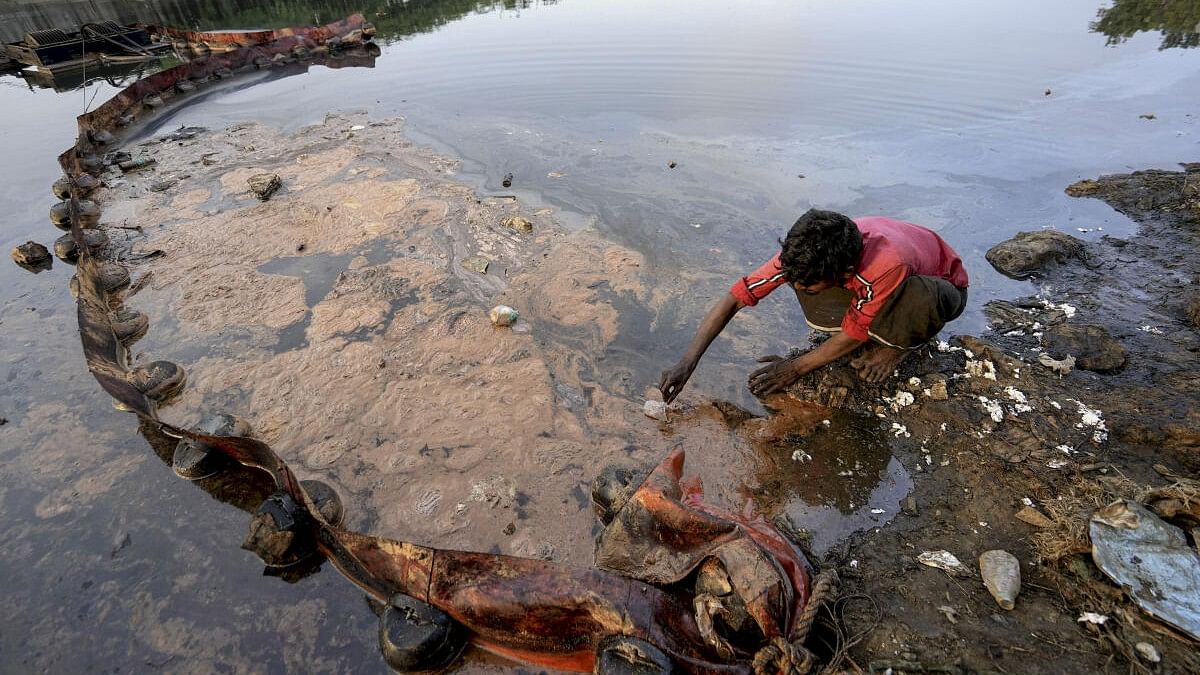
<point>1014,434</point>
<point>361,281</point>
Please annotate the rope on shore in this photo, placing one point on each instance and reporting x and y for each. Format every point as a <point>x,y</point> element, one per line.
<point>790,656</point>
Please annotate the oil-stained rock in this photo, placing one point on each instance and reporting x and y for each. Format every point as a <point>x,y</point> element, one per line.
<point>263,185</point>
<point>31,255</point>
<point>1029,253</point>
<point>1091,345</point>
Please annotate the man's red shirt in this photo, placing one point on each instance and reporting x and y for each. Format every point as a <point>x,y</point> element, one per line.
<point>892,251</point>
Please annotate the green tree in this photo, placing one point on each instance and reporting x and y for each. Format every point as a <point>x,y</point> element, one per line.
<point>1177,20</point>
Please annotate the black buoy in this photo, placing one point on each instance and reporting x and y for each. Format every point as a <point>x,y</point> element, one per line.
<point>418,638</point>
<point>194,460</point>
<point>280,532</point>
<point>624,655</point>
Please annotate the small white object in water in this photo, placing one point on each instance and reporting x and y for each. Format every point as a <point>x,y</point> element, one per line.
<point>826,422</point>
<point>914,382</point>
<point>899,430</point>
<point>656,410</point>
<point>1026,501</point>
<point>357,127</point>
<point>1065,449</point>
<point>878,511</point>
<point>1066,309</point>
<point>503,315</point>
<point>1058,464</point>
<point>1092,617</point>
<point>1153,330</point>
<point>797,456</point>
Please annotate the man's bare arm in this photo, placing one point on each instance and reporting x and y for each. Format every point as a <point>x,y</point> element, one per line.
<point>718,317</point>
<point>782,372</point>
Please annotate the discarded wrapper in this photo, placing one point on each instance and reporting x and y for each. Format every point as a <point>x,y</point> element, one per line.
<point>944,560</point>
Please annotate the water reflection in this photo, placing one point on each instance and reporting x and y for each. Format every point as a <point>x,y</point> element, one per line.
<point>394,19</point>
<point>1177,20</point>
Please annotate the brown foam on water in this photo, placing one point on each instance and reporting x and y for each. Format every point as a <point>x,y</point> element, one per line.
<point>433,425</point>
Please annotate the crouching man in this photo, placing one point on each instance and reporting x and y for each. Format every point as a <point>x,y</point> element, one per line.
<point>881,287</point>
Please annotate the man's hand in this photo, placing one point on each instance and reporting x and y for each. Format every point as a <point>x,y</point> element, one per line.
<point>775,377</point>
<point>674,378</point>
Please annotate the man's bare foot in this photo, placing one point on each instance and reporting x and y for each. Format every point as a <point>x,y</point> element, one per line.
<point>877,362</point>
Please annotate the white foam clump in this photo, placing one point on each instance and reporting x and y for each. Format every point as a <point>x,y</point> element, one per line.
<point>899,430</point>
<point>1153,330</point>
<point>984,369</point>
<point>1016,395</point>
<point>1090,417</point>
<point>1069,310</point>
<point>900,400</point>
<point>943,346</point>
<point>993,409</point>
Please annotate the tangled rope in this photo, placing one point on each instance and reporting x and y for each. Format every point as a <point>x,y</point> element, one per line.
<point>790,656</point>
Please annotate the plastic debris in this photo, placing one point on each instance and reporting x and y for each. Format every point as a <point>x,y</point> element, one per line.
<point>503,315</point>
<point>1061,366</point>
<point>945,561</point>
<point>1151,560</point>
<point>950,612</point>
<point>1034,517</point>
<point>1148,652</point>
<point>655,410</point>
<point>1001,572</point>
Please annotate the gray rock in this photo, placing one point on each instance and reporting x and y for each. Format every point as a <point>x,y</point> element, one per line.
<point>1031,252</point>
<point>1091,345</point>
<point>476,263</point>
<point>263,185</point>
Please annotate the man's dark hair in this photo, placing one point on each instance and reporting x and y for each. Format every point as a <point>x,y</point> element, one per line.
<point>821,246</point>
